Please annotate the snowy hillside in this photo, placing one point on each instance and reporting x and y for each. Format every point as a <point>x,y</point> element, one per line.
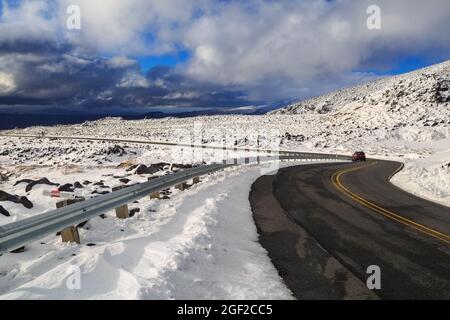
<point>428,87</point>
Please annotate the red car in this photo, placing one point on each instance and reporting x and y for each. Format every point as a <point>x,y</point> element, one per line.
<point>359,156</point>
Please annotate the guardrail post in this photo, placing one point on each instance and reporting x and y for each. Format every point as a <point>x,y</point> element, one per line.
<point>70,234</point>
<point>155,195</point>
<point>122,212</point>
<point>181,186</point>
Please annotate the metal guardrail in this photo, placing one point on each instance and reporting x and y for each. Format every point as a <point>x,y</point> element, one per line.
<point>17,234</point>
<point>174,144</point>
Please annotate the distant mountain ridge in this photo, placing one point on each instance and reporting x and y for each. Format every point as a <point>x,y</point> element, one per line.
<point>59,116</point>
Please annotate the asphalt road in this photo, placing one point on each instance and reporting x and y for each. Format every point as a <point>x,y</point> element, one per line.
<point>324,225</point>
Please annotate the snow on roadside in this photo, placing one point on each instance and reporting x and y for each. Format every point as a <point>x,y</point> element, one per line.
<point>202,244</point>
<point>428,178</point>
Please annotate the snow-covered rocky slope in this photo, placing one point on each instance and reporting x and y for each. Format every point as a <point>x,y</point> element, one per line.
<point>427,87</point>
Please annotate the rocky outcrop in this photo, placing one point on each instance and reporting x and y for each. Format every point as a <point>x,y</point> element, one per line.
<point>3,177</point>
<point>78,185</point>
<point>442,90</point>
<point>114,150</point>
<point>176,166</point>
<point>4,196</point>
<point>68,187</point>
<point>4,212</point>
<point>427,87</point>
<point>143,169</point>
<point>31,183</point>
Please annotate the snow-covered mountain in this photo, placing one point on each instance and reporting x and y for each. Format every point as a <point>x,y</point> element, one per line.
<point>428,87</point>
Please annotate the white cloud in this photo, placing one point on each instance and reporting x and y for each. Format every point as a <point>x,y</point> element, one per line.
<point>133,80</point>
<point>272,49</point>
<point>299,43</point>
<point>31,19</point>
<point>121,62</point>
<point>7,83</point>
<point>132,26</point>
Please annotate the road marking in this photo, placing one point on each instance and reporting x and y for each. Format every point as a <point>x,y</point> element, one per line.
<point>336,180</point>
<point>400,168</point>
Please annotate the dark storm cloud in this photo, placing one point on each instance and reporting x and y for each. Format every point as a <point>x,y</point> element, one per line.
<point>25,46</point>
<point>239,54</point>
<point>47,73</point>
<point>187,90</point>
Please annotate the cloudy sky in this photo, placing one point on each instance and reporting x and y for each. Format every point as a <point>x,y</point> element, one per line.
<point>188,54</point>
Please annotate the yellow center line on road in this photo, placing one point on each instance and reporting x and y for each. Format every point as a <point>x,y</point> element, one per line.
<point>336,180</point>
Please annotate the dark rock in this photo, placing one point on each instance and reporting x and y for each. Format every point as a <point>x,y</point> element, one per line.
<point>83,224</point>
<point>27,181</point>
<point>442,90</point>
<point>40,181</point>
<point>124,180</point>
<point>176,166</point>
<point>91,245</point>
<point>26,203</point>
<point>132,167</point>
<point>298,138</point>
<point>68,187</point>
<point>143,169</point>
<point>78,185</point>
<point>162,165</point>
<point>4,196</point>
<point>4,212</point>
<point>165,192</point>
<point>19,250</point>
<point>3,177</point>
<point>134,211</point>
<point>100,192</point>
<point>86,182</point>
<point>116,150</point>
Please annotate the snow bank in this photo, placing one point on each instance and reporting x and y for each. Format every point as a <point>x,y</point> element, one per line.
<point>428,178</point>
<point>201,244</point>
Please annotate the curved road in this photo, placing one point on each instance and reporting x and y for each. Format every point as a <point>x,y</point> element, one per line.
<point>324,225</point>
